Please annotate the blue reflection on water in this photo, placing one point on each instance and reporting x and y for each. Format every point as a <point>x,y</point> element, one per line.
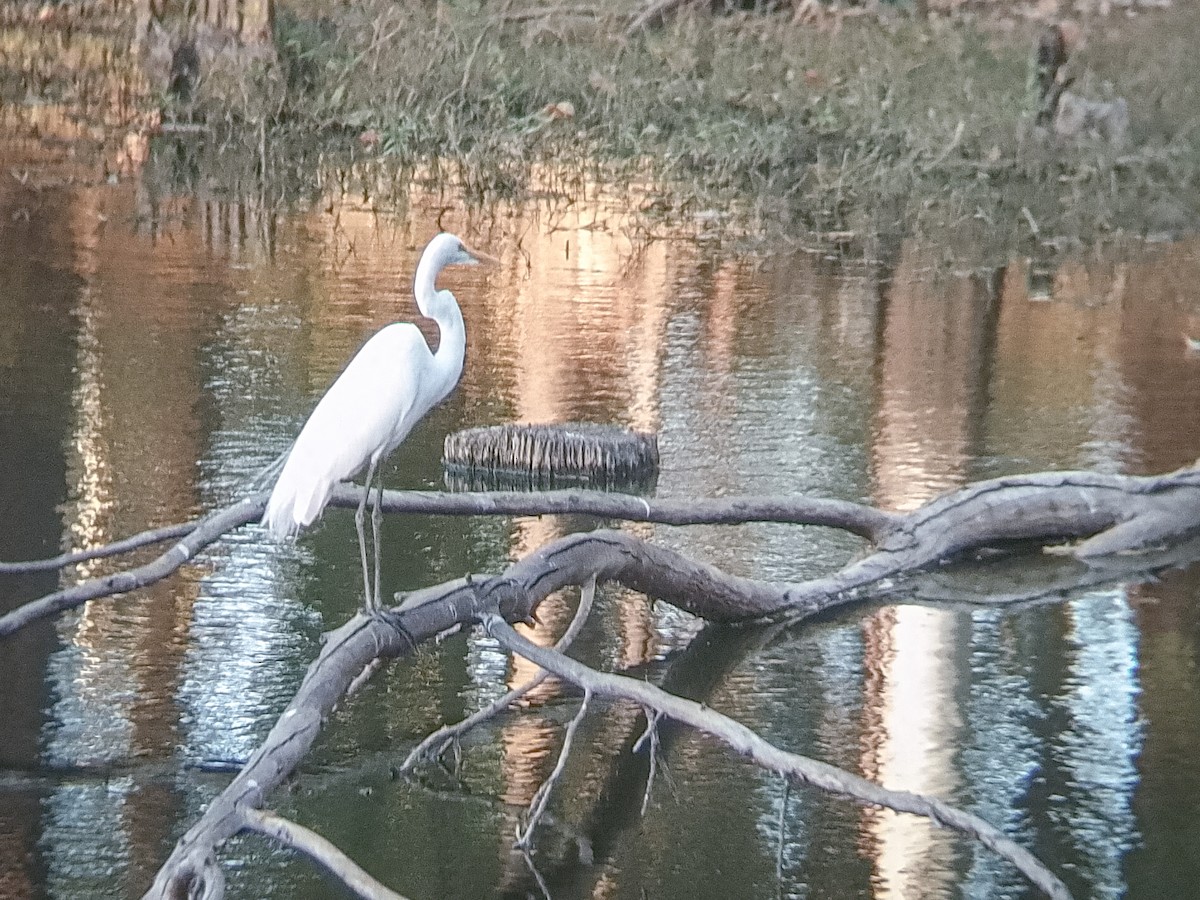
<point>247,649</point>
<point>86,827</point>
<point>1100,747</point>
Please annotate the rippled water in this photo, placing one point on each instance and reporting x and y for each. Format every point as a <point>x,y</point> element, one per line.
<point>158,348</point>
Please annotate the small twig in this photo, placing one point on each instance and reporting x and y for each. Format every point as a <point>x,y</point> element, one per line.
<point>537,876</point>
<point>436,744</point>
<point>144,539</point>
<point>554,12</point>
<point>542,797</point>
<point>651,732</point>
<point>1033,225</point>
<point>749,744</point>
<point>321,851</point>
<point>364,676</point>
<point>955,140</point>
<point>783,804</point>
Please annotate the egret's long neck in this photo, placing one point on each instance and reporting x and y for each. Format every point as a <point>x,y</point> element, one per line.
<point>452,340</point>
<point>452,333</point>
<point>452,345</point>
<point>428,269</point>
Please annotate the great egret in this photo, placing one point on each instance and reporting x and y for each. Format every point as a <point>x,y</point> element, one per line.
<point>391,383</point>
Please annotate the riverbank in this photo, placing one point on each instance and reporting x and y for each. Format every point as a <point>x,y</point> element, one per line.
<point>760,125</point>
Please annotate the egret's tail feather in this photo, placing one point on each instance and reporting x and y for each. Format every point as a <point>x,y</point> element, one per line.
<point>295,503</point>
<point>309,502</point>
<point>278,517</point>
<point>270,473</point>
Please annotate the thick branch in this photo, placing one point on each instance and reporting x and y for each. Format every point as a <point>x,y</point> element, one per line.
<point>799,768</point>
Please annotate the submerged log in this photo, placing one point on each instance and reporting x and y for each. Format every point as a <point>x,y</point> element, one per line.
<point>542,455</point>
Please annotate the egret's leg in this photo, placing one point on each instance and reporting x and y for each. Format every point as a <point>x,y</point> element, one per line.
<point>376,527</point>
<point>362,538</point>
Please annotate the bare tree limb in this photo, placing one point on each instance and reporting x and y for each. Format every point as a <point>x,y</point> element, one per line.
<point>144,539</point>
<point>857,518</point>
<point>542,796</point>
<point>1116,513</point>
<point>322,851</point>
<point>435,744</point>
<point>799,768</point>
<point>853,517</point>
<point>207,530</point>
<point>424,614</point>
<point>1030,508</point>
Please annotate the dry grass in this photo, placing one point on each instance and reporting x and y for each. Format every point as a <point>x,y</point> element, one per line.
<point>873,127</point>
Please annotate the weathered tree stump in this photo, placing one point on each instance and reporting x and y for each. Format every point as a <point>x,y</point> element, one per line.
<point>533,456</point>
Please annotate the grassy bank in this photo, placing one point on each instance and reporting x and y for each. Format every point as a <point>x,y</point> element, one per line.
<point>877,124</point>
<point>767,126</point>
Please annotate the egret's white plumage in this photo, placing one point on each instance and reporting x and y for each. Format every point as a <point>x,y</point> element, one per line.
<point>389,385</point>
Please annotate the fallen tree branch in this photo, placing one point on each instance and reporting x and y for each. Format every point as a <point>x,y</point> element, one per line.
<point>853,517</point>
<point>749,744</point>
<point>322,851</point>
<point>1115,513</point>
<point>143,539</point>
<point>436,744</point>
<point>1111,512</point>
<point>1033,507</point>
<point>573,560</point>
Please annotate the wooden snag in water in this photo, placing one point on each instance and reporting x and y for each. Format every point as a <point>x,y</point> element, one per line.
<point>582,451</point>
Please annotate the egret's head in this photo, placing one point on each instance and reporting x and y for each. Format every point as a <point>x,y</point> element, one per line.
<point>451,250</point>
<point>444,250</point>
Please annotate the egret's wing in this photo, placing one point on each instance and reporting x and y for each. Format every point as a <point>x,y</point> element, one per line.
<point>376,394</point>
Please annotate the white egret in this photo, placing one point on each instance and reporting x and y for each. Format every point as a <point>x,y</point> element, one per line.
<point>389,385</point>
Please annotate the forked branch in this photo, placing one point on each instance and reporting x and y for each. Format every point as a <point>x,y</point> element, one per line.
<point>437,743</point>
<point>798,768</point>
